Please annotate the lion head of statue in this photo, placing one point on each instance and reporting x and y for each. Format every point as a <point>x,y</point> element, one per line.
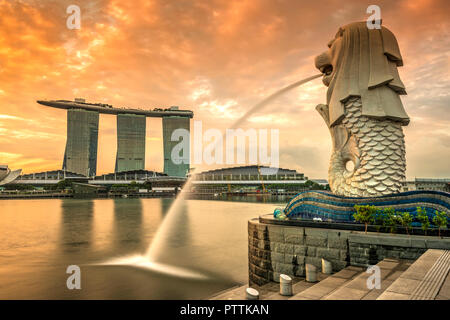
<point>363,62</point>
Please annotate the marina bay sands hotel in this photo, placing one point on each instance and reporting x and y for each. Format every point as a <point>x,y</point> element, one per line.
<point>80,155</point>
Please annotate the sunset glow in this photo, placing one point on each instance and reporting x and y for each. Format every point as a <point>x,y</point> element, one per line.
<point>217,58</point>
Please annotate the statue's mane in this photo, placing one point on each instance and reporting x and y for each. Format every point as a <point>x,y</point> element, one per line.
<point>367,67</point>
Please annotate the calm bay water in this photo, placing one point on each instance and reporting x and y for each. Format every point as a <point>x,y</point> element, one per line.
<point>40,238</point>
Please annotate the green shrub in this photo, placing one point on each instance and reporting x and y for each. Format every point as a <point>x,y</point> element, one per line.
<point>422,216</point>
<point>391,219</point>
<point>406,220</point>
<point>379,219</point>
<point>365,214</point>
<point>440,220</point>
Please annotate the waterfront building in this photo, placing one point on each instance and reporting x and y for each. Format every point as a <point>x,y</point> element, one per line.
<point>8,176</point>
<point>248,178</point>
<point>249,173</point>
<point>322,182</point>
<point>82,136</point>
<point>130,142</point>
<point>427,184</point>
<point>49,177</point>
<point>80,155</point>
<point>128,176</point>
<point>170,124</point>
<point>55,176</point>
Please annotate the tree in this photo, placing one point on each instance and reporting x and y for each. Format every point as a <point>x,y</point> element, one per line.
<point>406,220</point>
<point>379,219</point>
<point>440,220</point>
<point>365,214</point>
<point>64,184</point>
<point>422,216</point>
<point>390,219</point>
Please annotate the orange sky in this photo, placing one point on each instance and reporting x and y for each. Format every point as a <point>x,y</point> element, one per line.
<point>215,57</point>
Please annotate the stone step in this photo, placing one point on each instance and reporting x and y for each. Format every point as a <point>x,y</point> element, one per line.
<point>238,292</point>
<point>269,291</point>
<point>426,279</point>
<point>233,293</point>
<point>358,289</point>
<point>297,288</point>
<point>328,285</point>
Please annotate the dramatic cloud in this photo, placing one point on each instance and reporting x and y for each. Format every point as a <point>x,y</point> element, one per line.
<point>218,58</point>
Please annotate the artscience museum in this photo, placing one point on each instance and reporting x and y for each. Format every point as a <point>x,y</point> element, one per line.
<point>7,176</point>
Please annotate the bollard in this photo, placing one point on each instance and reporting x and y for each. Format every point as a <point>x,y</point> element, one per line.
<point>285,285</point>
<point>251,294</point>
<point>311,273</point>
<point>327,268</point>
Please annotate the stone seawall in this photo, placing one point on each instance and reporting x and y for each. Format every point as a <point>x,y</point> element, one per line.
<point>276,249</point>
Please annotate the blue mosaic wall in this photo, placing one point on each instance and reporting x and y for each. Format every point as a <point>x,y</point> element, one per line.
<point>330,207</point>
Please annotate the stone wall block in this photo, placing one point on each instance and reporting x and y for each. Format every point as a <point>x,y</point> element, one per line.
<point>317,262</point>
<point>277,256</point>
<point>300,250</point>
<point>314,241</point>
<point>311,251</point>
<point>328,253</point>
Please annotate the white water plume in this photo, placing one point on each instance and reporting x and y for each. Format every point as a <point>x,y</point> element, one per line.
<point>159,242</point>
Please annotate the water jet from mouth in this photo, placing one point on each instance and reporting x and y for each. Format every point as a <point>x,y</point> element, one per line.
<point>159,243</point>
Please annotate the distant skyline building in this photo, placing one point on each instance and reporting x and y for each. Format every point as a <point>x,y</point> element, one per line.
<point>248,179</point>
<point>434,184</point>
<point>170,124</point>
<point>249,174</point>
<point>80,155</point>
<point>131,129</point>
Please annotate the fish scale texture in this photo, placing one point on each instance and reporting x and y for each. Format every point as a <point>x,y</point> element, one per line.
<point>381,148</point>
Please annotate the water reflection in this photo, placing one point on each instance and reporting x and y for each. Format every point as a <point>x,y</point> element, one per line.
<point>177,240</point>
<point>165,205</point>
<point>76,224</point>
<point>127,231</point>
<point>257,198</point>
<point>40,238</point>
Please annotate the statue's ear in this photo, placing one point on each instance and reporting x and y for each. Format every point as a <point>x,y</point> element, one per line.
<point>390,47</point>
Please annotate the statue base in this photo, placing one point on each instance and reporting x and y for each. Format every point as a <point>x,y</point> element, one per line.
<point>326,206</point>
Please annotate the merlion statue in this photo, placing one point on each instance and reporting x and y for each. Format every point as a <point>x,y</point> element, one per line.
<point>364,112</point>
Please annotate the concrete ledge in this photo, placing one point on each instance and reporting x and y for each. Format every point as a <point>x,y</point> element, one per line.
<point>268,219</point>
<point>399,240</point>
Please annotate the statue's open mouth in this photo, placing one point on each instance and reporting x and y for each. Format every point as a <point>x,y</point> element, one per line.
<point>327,69</point>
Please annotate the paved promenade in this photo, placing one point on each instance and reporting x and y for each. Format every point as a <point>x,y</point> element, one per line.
<point>427,278</point>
